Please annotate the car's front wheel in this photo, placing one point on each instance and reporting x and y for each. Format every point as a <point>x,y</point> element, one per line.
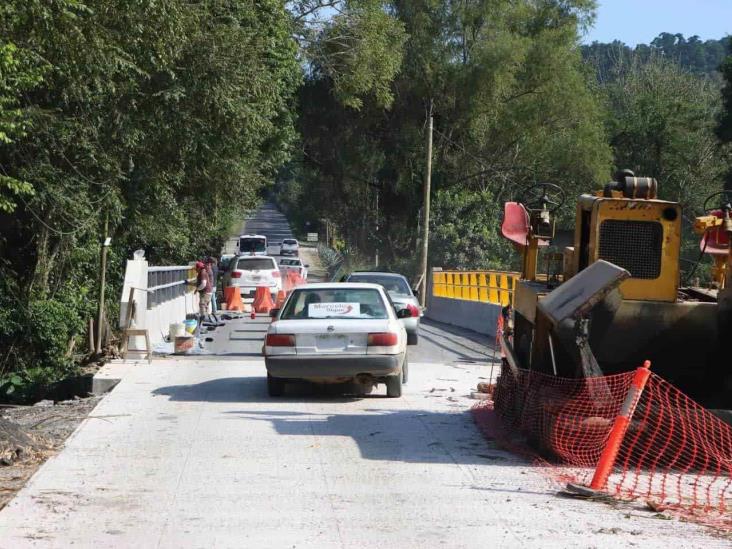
<point>394,386</point>
<point>275,386</point>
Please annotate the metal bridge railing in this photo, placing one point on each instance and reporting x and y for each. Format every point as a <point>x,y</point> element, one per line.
<point>484,286</point>
<point>167,283</point>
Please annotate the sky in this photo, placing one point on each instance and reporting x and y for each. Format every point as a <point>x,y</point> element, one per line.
<point>640,21</point>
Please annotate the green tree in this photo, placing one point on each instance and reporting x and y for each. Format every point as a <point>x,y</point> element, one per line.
<point>512,106</point>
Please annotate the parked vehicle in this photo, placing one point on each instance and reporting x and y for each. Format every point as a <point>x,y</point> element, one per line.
<point>400,293</point>
<point>336,332</point>
<point>248,272</point>
<point>290,246</point>
<point>296,265</point>
<point>252,244</point>
<point>224,261</point>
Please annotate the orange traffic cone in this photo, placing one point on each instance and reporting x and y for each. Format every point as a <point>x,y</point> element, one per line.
<point>281,296</point>
<point>262,300</point>
<point>232,296</point>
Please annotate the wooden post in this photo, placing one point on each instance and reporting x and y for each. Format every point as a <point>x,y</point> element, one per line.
<point>102,282</point>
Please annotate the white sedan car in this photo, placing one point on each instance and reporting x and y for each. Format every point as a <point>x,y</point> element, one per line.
<point>337,332</point>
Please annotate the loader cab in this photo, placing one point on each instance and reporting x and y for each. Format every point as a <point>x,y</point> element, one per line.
<point>638,233</point>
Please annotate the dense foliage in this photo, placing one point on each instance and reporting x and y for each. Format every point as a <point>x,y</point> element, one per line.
<point>166,117</point>
<point>700,57</point>
<point>512,106</point>
<point>516,100</point>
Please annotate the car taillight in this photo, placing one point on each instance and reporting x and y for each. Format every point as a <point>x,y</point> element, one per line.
<point>280,340</point>
<point>276,274</point>
<point>413,309</point>
<point>235,274</point>
<point>382,339</point>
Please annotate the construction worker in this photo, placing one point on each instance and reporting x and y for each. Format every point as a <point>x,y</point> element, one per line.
<point>213,271</point>
<point>203,287</point>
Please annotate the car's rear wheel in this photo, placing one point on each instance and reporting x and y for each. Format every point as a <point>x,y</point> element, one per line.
<point>394,386</point>
<point>412,339</point>
<point>275,386</point>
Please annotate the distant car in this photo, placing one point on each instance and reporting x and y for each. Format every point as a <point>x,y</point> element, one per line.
<point>336,332</point>
<point>400,293</point>
<point>289,246</point>
<point>249,272</point>
<point>295,264</point>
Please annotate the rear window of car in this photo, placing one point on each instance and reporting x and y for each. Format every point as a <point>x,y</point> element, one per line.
<point>295,262</point>
<point>288,241</point>
<point>255,264</point>
<point>347,304</point>
<point>395,284</point>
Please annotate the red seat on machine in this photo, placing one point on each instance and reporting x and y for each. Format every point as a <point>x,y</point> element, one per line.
<point>715,241</point>
<point>515,226</point>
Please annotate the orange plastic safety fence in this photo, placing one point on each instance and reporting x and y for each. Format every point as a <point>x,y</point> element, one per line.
<point>675,453</point>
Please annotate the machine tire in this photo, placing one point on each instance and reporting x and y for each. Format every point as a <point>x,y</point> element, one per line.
<point>394,386</point>
<point>405,370</point>
<point>275,386</point>
<point>412,339</point>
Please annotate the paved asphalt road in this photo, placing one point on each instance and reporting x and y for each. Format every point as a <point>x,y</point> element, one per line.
<point>191,452</point>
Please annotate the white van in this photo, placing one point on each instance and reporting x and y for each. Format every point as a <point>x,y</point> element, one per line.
<point>252,244</point>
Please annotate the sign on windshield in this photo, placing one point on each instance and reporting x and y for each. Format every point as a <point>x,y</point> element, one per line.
<point>329,310</point>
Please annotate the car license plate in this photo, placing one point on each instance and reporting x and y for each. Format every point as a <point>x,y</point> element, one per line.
<point>331,342</point>
<point>256,277</point>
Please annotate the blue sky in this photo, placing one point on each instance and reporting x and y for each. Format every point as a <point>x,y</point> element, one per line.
<point>640,21</point>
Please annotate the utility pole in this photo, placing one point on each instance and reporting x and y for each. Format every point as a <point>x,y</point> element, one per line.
<point>426,214</point>
<point>377,228</point>
<point>102,282</point>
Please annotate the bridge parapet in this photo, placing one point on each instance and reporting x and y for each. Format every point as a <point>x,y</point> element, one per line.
<point>161,295</point>
<point>470,299</point>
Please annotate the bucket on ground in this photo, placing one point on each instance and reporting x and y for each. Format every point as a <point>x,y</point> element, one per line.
<point>183,344</point>
<point>177,329</point>
<point>191,325</point>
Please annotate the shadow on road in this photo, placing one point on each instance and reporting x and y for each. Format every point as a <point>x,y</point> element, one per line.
<point>383,430</point>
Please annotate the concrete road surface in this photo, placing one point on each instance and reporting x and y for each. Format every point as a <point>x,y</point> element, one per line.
<point>193,453</point>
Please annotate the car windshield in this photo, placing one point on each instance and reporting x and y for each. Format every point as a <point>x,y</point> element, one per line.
<point>393,284</point>
<point>345,303</point>
<point>248,245</point>
<point>295,262</point>
<point>254,264</point>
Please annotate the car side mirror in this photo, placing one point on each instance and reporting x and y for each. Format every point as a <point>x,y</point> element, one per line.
<point>404,313</point>
<point>307,266</point>
<point>415,291</point>
<point>273,313</point>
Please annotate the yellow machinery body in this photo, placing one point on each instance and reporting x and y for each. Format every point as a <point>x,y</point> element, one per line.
<point>681,330</point>
<point>642,236</point>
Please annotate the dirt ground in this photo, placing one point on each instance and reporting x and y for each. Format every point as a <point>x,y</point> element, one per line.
<point>48,425</point>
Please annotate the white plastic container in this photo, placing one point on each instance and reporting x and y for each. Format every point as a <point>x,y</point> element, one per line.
<point>177,329</point>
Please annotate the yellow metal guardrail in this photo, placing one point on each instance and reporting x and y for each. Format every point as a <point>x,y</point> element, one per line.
<point>484,286</point>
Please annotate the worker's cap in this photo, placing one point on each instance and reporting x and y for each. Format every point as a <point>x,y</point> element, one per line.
<point>200,265</point>
<point>210,260</point>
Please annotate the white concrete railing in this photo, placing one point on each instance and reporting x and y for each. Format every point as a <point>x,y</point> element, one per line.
<point>161,295</point>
